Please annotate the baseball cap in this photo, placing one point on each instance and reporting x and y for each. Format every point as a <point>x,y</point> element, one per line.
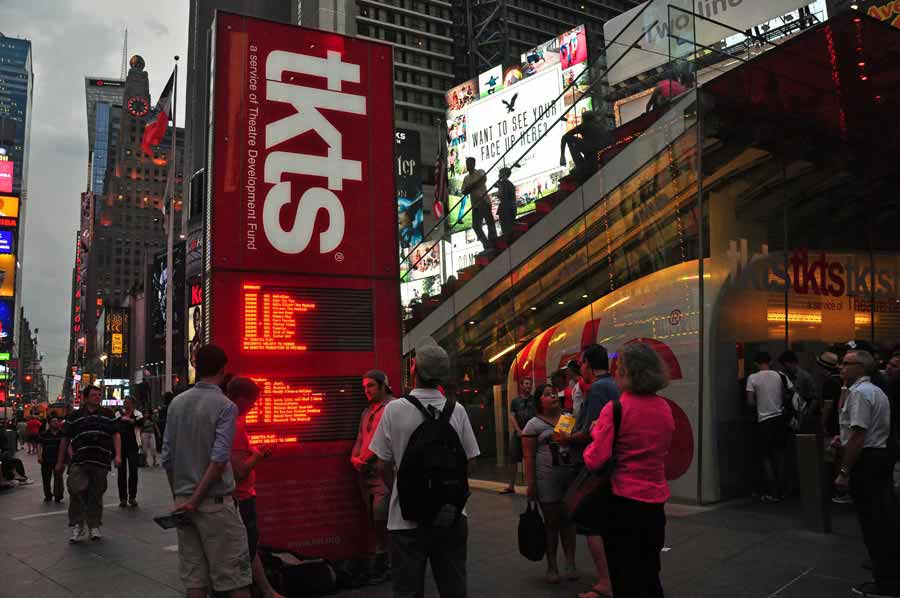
<point>377,376</point>
<point>432,362</point>
<point>573,365</point>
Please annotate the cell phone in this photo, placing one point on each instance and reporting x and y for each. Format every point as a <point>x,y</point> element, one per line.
<point>172,520</point>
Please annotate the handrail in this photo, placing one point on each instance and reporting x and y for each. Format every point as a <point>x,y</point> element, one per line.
<point>599,79</point>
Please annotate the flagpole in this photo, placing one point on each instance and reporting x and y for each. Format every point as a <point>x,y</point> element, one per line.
<point>170,219</point>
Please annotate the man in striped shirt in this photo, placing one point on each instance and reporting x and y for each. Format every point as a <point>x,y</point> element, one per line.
<point>91,431</point>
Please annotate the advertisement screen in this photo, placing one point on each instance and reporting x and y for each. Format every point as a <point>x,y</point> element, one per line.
<point>510,116</point>
<point>408,156</point>
<point>115,326</point>
<point>300,285</point>
<point>9,206</point>
<point>156,305</point>
<point>7,275</point>
<point>195,325</point>
<point>6,176</point>
<point>7,319</point>
<point>7,241</point>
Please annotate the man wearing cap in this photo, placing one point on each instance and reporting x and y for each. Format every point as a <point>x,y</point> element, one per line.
<point>412,548</point>
<point>375,492</point>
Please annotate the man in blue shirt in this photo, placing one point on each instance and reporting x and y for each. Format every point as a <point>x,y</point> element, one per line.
<point>212,548</point>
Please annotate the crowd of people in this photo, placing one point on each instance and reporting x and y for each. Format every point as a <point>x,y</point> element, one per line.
<point>591,416</point>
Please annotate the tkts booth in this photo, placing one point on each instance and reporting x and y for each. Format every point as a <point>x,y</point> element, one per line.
<point>300,266</point>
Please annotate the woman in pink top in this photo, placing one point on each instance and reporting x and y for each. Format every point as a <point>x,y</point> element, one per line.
<point>634,520</point>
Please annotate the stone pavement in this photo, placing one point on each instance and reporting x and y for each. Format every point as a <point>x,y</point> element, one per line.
<point>736,550</point>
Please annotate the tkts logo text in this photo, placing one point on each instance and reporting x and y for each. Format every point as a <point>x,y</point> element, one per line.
<point>333,169</point>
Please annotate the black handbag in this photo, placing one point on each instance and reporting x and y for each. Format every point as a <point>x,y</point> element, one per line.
<point>589,487</point>
<point>532,535</point>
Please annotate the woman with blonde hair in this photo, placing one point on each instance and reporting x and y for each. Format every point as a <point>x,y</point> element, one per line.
<point>633,517</point>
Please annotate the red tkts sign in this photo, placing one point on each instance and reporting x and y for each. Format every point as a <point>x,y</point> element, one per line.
<point>301,276</point>
<point>300,157</point>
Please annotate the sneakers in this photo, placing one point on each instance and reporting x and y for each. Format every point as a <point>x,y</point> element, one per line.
<point>132,503</point>
<point>95,533</point>
<point>25,482</point>
<point>842,499</point>
<point>123,504</point>
<point>769,499</point>
<point>870,590</point>
<point>78,533</point>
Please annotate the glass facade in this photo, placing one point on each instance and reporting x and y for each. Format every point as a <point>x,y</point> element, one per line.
<point>101,147</point>
<point>751,213</point>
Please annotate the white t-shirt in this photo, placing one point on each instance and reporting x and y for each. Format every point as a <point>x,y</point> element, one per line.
<point>399,421</point>
<point>767,386</point>
<point>867,407</point>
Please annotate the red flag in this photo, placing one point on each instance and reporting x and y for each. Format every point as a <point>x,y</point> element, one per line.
<point>156,130</point>
<point>440,184</point>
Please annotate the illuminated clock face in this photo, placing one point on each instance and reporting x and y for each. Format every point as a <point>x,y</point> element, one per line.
<point>138,106</point>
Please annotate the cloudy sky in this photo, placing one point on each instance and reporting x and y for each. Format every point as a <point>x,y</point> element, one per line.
<point>72,39</point>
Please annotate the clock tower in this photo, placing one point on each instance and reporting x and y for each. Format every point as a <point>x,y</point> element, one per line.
<point>130,214</point>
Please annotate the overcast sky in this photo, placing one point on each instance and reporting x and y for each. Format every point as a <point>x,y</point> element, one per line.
<point>72,39</point>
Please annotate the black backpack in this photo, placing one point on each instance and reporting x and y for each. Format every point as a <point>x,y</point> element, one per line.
<point>433,479</point>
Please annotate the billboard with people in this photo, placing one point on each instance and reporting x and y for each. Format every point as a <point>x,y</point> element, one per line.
<point>502,115</point>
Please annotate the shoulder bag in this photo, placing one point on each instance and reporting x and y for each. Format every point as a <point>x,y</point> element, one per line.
<point>589,487</point>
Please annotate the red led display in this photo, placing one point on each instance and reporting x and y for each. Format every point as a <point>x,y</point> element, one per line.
<point>270,320</point>
<point>282,403</point>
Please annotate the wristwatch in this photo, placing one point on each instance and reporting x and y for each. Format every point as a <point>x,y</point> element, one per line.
<point>845,472</point>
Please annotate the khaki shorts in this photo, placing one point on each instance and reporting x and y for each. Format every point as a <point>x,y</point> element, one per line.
<point>376,495</point>
<point>212,550</point>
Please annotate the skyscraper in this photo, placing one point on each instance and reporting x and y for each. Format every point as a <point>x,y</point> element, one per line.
<point>103,96</point>
<point>16,95</point>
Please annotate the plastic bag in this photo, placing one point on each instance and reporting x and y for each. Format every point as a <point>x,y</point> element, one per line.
<point>532,535</point>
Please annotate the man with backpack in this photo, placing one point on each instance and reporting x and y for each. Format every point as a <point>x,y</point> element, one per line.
<point>426,518</point>
<point>766,395</point>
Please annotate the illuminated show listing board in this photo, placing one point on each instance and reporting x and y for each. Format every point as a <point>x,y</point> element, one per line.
<point>305,409</point>
<point>296,320</point>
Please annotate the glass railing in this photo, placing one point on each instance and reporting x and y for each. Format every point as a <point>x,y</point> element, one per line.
<point>463,241</point>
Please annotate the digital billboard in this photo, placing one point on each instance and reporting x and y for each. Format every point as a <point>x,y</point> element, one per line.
<point>115,341</point>
<point>156,306</point>
<point>6,176</point>
<point>410,214</point>
<point>195,326</point>
<point>486,123</point>
<point>300,275</point>
<point>9,206</point>
<point>7,275</point>
<point>7,320</point>
<point>7,241</point>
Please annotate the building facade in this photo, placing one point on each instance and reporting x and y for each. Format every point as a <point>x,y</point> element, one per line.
<point>16,97</point>
<point>103,99</point>
<point>122,214</point>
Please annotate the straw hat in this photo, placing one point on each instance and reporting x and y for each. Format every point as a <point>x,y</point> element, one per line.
<point>828,360</point>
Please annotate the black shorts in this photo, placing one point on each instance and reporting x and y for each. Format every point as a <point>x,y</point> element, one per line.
<point>772,434</point>
<point>247,508</point>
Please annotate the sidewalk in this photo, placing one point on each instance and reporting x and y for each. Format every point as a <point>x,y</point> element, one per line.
<point>737,550</point>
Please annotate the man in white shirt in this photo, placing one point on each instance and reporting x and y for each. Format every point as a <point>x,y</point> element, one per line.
<point>765,391</point>
<point>474,185</point>
<point>866,470</point>
<point>411,547</point>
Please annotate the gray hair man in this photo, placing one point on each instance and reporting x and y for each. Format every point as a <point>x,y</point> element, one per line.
<point>866,470</point>
<point>413,547</point>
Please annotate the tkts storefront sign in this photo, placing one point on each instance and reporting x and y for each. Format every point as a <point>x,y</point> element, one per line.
<point>886,11</point>
<point>300,263</point>
<point>299,152</point>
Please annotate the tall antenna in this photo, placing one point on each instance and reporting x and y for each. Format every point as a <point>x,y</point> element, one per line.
<point>125,55</point>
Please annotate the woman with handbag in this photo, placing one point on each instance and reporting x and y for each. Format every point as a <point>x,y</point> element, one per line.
<point>633,511</point>
<point>548,471</point>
